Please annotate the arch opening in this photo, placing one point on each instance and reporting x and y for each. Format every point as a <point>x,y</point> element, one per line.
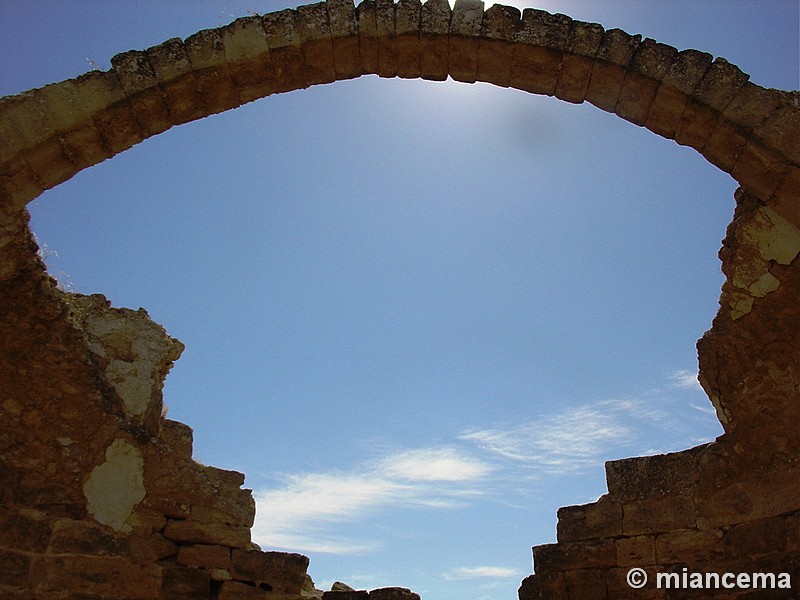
<point>763,178</point>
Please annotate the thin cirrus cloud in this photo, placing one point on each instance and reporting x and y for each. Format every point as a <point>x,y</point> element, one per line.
<point>685,379</point>
<point>304,511</point>
<point>568,441</point>
<point>481,573</point>
<point>301,513</point>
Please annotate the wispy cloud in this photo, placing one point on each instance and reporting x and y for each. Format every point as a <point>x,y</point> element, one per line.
<point>481,573</point>
<point>297,514</point>
<point>685,379</point>
<point>567,441</point>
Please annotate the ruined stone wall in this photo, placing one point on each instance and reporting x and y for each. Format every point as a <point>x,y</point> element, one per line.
<point>99,495</point>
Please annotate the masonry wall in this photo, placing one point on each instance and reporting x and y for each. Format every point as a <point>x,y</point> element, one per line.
<point>99,495</point>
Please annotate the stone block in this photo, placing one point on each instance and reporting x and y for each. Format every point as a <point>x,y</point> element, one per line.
<point>718,87</point>
<point>465,29</point>
<point>496,47</point>
<point>286,54</point>
<point>720,84</point>
<point>636,551</point>
<point>793,533</point>
<point>408,19</point>
<point>646,70</point>
<point>583,43</point>
<point>368,36</point>
<point>14,567</point>
<point>680,81</point>
<point>619,589</point>
<point>184,583</point>
<point>387,43</point>
<point>574,555</point>
<point>586,584</point>
<point>27,121</point>
<point>63,107</point>
<point>344,30</point>
<point>696,126</point>
<point>314,30</point>
<point>247,56</point>
<point>542,586</point>
<point>759,169</point>
<point>539,44</point>
<point>24,529</point>
<point>178,437</point>
<point>756,538</point>
<point>149,547</point>
<point>784,202</point>
<point>434,44</point>
<point>657,515</point>
<point>214,533</point>
<point>725,143</point>
<point>215,89</point>
<point>102,577</point>
<point>82,537</point>
<point>282,572</point>
<point>689,546</point>
<point>590,521</point>
<point>244,40</point>
<point>657,475</point>
<point>205,556</point>
<point>781,129</point>
<point>85,146</point>
<point>393,593</point>
<point>236,590</point>
<point>346,595</point>
<point>171,65</point>
<point>610,68</point>
<point>49,162</point>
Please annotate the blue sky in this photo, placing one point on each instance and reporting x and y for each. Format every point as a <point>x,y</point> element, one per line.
<point>419,316</point>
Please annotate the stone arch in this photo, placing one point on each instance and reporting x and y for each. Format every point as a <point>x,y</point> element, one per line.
<point>748,360</point>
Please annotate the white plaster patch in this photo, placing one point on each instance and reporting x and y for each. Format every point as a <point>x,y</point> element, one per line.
<point>115,487</point>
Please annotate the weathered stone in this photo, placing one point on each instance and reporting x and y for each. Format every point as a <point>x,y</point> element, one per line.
<point>393,593</point>
<point>344,30</point>
<point>433,41</point>
<point>387,42</point>
<point>586,584</point>
<point>465,26</point>
<point>610,68</point>
<point>346,595</point>
<point>368,36</point>
<point>590,521</point>
<point>689,545</point>
<point>80,537</point>
<point>583,42</point>
<point>314,30</point>
<point>408,18</point>
<point>539,44</point>
<point>636,551</point>
<point>647,68</point>
<point>283,573</point>
<point>496,48</point>
<point>207,557</point>
<point>574,555</point>
<point>285,50</point>
<point>680,81</point>
<point>656,515</point>
<point>24,529</point>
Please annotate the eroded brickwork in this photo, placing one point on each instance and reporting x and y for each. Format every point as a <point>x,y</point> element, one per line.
<point>99,495</point>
